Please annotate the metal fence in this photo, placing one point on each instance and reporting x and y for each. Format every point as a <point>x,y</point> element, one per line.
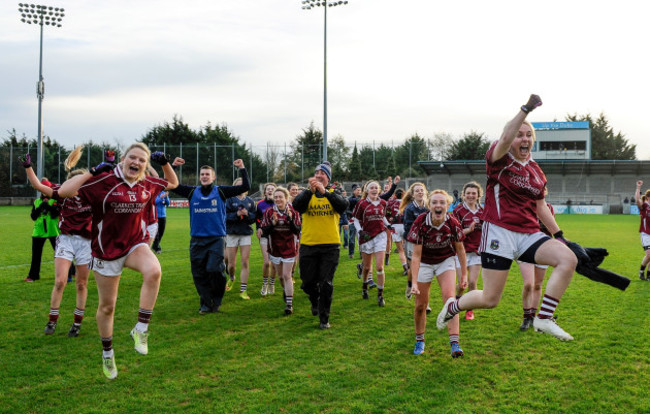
<point>272,162</point>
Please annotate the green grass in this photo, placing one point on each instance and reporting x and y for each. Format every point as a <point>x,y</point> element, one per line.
<point>250,358</point>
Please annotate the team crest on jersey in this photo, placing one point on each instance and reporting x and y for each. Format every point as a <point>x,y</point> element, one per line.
<point>145,195</point>
<point>214,203</point>
<point>494,244</point>
<point>99,264</point>
<point>438,238</point>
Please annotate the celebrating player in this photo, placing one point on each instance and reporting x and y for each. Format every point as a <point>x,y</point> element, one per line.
<point>119,199</point>
<point>644,228</point>
<point>437,238</point>
<point>514,199</point>
<point>281,225</point>
<point>72,244</point>
<point>240,215</point>
<point>469,215</point>
<point>370,222</point>
<point>413,204</point>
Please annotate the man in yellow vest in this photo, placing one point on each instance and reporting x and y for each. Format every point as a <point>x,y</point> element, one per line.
<point>321,207</point>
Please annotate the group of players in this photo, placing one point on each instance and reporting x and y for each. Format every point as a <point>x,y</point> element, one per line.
<point>106,226</point>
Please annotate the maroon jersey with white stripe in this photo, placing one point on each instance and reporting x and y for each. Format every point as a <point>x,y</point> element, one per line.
<point>75,218</point>
<point>437,242</point>
<point>392,211</point>
<point>119,211</point>
<point>371,217</point>
<point>644,211</point>
<point>152,216</point>
<point>282,241</point>
<point>512,191</point>
<point>466,217</point>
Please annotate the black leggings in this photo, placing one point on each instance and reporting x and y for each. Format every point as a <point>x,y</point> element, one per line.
<point>37,253</point>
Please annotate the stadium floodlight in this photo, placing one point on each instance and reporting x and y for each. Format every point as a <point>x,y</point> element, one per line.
<point>41,15</point>
<point>308,5</point>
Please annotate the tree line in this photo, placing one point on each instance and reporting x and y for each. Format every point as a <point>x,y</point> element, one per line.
<point>217,145</point>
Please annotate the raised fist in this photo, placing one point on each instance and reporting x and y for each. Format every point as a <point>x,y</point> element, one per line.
<point>160,158</point>
<point>533,102</point>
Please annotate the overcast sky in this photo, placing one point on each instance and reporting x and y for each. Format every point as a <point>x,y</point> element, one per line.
<point>117,68</point>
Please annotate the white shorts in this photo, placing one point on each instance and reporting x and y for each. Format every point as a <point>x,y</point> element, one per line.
<point>519,262</point>
<point>645,240</point>
<point>278,260</point>
<point>264,241</point>
<point>397,233</point>
<point>375,245</point>
<point>473,259</point>
<point>152,229</point>
<point>427,271</point>
<point>236,240</point>
<point>112,267</point>
<point>73,247</point>
<point>506,243</point>
<point>408,248</point>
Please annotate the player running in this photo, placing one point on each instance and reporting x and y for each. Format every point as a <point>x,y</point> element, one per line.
<point>644,228</point>
<point>119,197</point>
<point>370,222</point>
<point>281,225</point>
<point>469,214</point>
<point>514,200</point>
<point>73,244</point>
<point>437,238</point>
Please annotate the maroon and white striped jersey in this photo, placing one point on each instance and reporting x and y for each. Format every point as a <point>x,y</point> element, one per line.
<point>119,211</point>
<point>371,215</point>
<point>466,217</point>
<point>513,189</point>
<point>75,218</point>
<point>438,243</point>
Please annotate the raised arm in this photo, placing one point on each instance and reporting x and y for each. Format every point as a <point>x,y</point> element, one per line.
<point>161,159</point>
<point>512,128</point>
<point>31,176</point>
<point>637,193</point>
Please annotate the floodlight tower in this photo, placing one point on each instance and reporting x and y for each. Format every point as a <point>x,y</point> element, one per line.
<point>308,5</point>
<point>41,15</point>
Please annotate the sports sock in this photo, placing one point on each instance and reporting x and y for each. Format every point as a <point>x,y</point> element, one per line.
<point>78,316</point>
<point>144,316</point>
<point>272,281</point>
<point>548,307</point>
<point>289,300</point>
<point>54,315</point>
<point>107,347</point>
<point>365,285</point>
<point>453,338</point>
<point>529,313</point>
<point>265,280</point>
<point>419,337</point>
<point>380,290</point>
<point>243,287</point>
<point>453,308</point>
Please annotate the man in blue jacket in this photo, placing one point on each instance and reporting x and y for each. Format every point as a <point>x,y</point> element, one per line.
<point>208,233</point>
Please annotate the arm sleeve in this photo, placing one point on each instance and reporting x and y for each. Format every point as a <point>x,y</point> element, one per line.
<point>231,212</point>
<point>388,194</point>
<point>228,191</point>
<point>184,191</point>
<point>339,203</point>
<point>252,213</point>
<point>301,202</point>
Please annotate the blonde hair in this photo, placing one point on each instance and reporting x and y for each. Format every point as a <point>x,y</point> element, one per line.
<point>76,172</point>
<point>408,196</point>
<point>473,184</point>
<point>73,158</point>
<point>449,198</point>
<point>364,193</point>
<point>532,130</point>
<point>645,196</point>
<point>239,181</point>
<point>141,146</point>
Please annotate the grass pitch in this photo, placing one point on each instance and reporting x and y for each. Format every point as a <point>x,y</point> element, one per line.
<point>250,358</point>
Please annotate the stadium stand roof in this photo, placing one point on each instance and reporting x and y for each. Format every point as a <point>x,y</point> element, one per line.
<point>562,167</point>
